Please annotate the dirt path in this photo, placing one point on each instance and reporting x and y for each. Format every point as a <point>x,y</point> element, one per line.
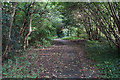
<point>65,59</point>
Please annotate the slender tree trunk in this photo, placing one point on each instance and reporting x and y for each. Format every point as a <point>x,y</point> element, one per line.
<point>30,29</point>
<point>8,46</point>
<point>114,15</point>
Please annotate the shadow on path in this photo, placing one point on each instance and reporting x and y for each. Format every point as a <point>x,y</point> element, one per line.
<point>64,59</point>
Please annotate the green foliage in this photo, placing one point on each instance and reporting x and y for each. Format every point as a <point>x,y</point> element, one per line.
<point>106,59</point>
<point>72,21</point>
<point>45,20</point>
<point>70,38</point>
<point>43,34</point>
<point>19,67</point>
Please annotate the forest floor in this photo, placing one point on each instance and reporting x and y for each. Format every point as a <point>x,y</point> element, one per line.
<point>64,59</point>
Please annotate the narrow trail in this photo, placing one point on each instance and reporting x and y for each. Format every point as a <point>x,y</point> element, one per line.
<point>64,59</point>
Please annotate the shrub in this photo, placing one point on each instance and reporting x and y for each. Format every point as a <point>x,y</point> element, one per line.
<point>106,58</point>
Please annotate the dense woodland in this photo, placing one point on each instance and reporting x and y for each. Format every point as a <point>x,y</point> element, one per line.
<point>34,24</point>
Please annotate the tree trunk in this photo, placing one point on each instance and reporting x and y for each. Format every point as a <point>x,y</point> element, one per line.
<point>30,28</point>
<point>8,46</point>
<point>114,15</point>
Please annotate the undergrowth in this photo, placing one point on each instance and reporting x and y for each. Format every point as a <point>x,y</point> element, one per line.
<point>19,67</point>
<point>107,59</point>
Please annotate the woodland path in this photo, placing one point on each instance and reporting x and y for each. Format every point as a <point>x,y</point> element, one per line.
<point>64,59</point>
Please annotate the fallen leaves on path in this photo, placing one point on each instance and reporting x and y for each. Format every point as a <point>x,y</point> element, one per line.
<point>65,59</point>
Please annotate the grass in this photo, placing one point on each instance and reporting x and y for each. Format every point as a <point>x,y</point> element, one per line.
<point>106,58</point>
<point>71,38</point>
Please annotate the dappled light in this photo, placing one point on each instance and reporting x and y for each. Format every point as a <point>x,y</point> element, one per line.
<point>61,40</point>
